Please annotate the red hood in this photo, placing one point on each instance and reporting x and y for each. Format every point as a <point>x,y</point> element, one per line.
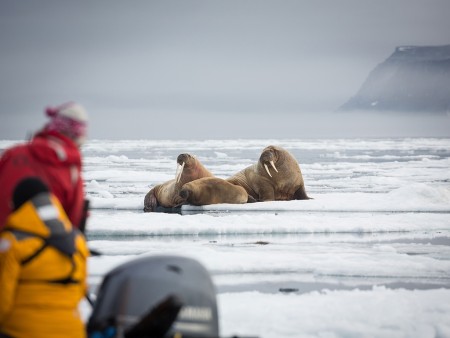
<point>54,148</point>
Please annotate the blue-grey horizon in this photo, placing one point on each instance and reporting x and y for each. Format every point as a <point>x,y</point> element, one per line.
<point>202,69</point>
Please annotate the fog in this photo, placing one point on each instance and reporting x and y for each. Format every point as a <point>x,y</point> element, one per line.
<point>208,69</point>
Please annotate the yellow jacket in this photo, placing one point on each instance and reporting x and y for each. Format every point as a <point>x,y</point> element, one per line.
<point>42,272</point>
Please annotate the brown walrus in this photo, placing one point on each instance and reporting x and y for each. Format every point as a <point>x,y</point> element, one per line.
<point>189,168</point>
<point>213,190</point>
<point>275,177</point>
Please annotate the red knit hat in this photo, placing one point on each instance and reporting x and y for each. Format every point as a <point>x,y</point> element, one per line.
<point>69,119</point>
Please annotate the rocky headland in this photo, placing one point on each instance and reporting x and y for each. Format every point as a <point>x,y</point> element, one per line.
<point>413,79</point>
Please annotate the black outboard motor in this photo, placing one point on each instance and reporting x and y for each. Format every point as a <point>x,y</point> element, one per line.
<point>158,296</point>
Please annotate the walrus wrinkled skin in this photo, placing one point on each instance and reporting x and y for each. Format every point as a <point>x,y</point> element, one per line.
<point>167,193</point>
<point>275,177</point>
<point>213,190</point>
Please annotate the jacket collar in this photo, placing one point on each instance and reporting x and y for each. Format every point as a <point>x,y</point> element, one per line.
<point>43,216</point>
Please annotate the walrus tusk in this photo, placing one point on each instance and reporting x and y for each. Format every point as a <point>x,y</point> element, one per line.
<point>179,172</point>
<point>273,166</point>
<point>267,169</point>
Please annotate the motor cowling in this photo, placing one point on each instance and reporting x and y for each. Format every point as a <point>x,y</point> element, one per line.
<point>156,296</point>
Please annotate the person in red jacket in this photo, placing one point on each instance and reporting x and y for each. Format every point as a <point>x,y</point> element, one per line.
<point>53,155</point>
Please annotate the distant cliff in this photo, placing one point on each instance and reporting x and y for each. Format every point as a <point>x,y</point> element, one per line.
<point>413,79</point>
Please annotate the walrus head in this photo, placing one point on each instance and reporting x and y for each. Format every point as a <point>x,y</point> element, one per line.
<point>269,156</point>
<point>185,162</point>
<point>190,168</point>
<point>185,158</point>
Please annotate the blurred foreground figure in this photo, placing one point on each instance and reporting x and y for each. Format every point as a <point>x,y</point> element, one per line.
<point>42,267</point>
<point>53,155</point>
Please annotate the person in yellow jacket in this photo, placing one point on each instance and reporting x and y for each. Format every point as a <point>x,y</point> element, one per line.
<point>42,267</point>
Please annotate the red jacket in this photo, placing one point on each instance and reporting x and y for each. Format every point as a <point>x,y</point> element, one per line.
<point>56,160</point>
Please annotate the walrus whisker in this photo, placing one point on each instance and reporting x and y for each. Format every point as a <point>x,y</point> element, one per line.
<point>267,169</point>
<point>273,166</point>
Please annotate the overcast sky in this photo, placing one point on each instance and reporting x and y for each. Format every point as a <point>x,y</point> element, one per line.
<point>194,69</point>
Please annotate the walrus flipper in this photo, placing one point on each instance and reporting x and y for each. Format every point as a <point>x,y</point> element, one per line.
<point>251,199</point>
<point>150,202</point>
<point>300,194</point>
<point>168,210</point>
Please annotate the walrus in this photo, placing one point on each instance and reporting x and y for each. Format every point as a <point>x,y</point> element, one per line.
<point>275,177</point>
<point>213,190</point>
<point>189,168</point>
